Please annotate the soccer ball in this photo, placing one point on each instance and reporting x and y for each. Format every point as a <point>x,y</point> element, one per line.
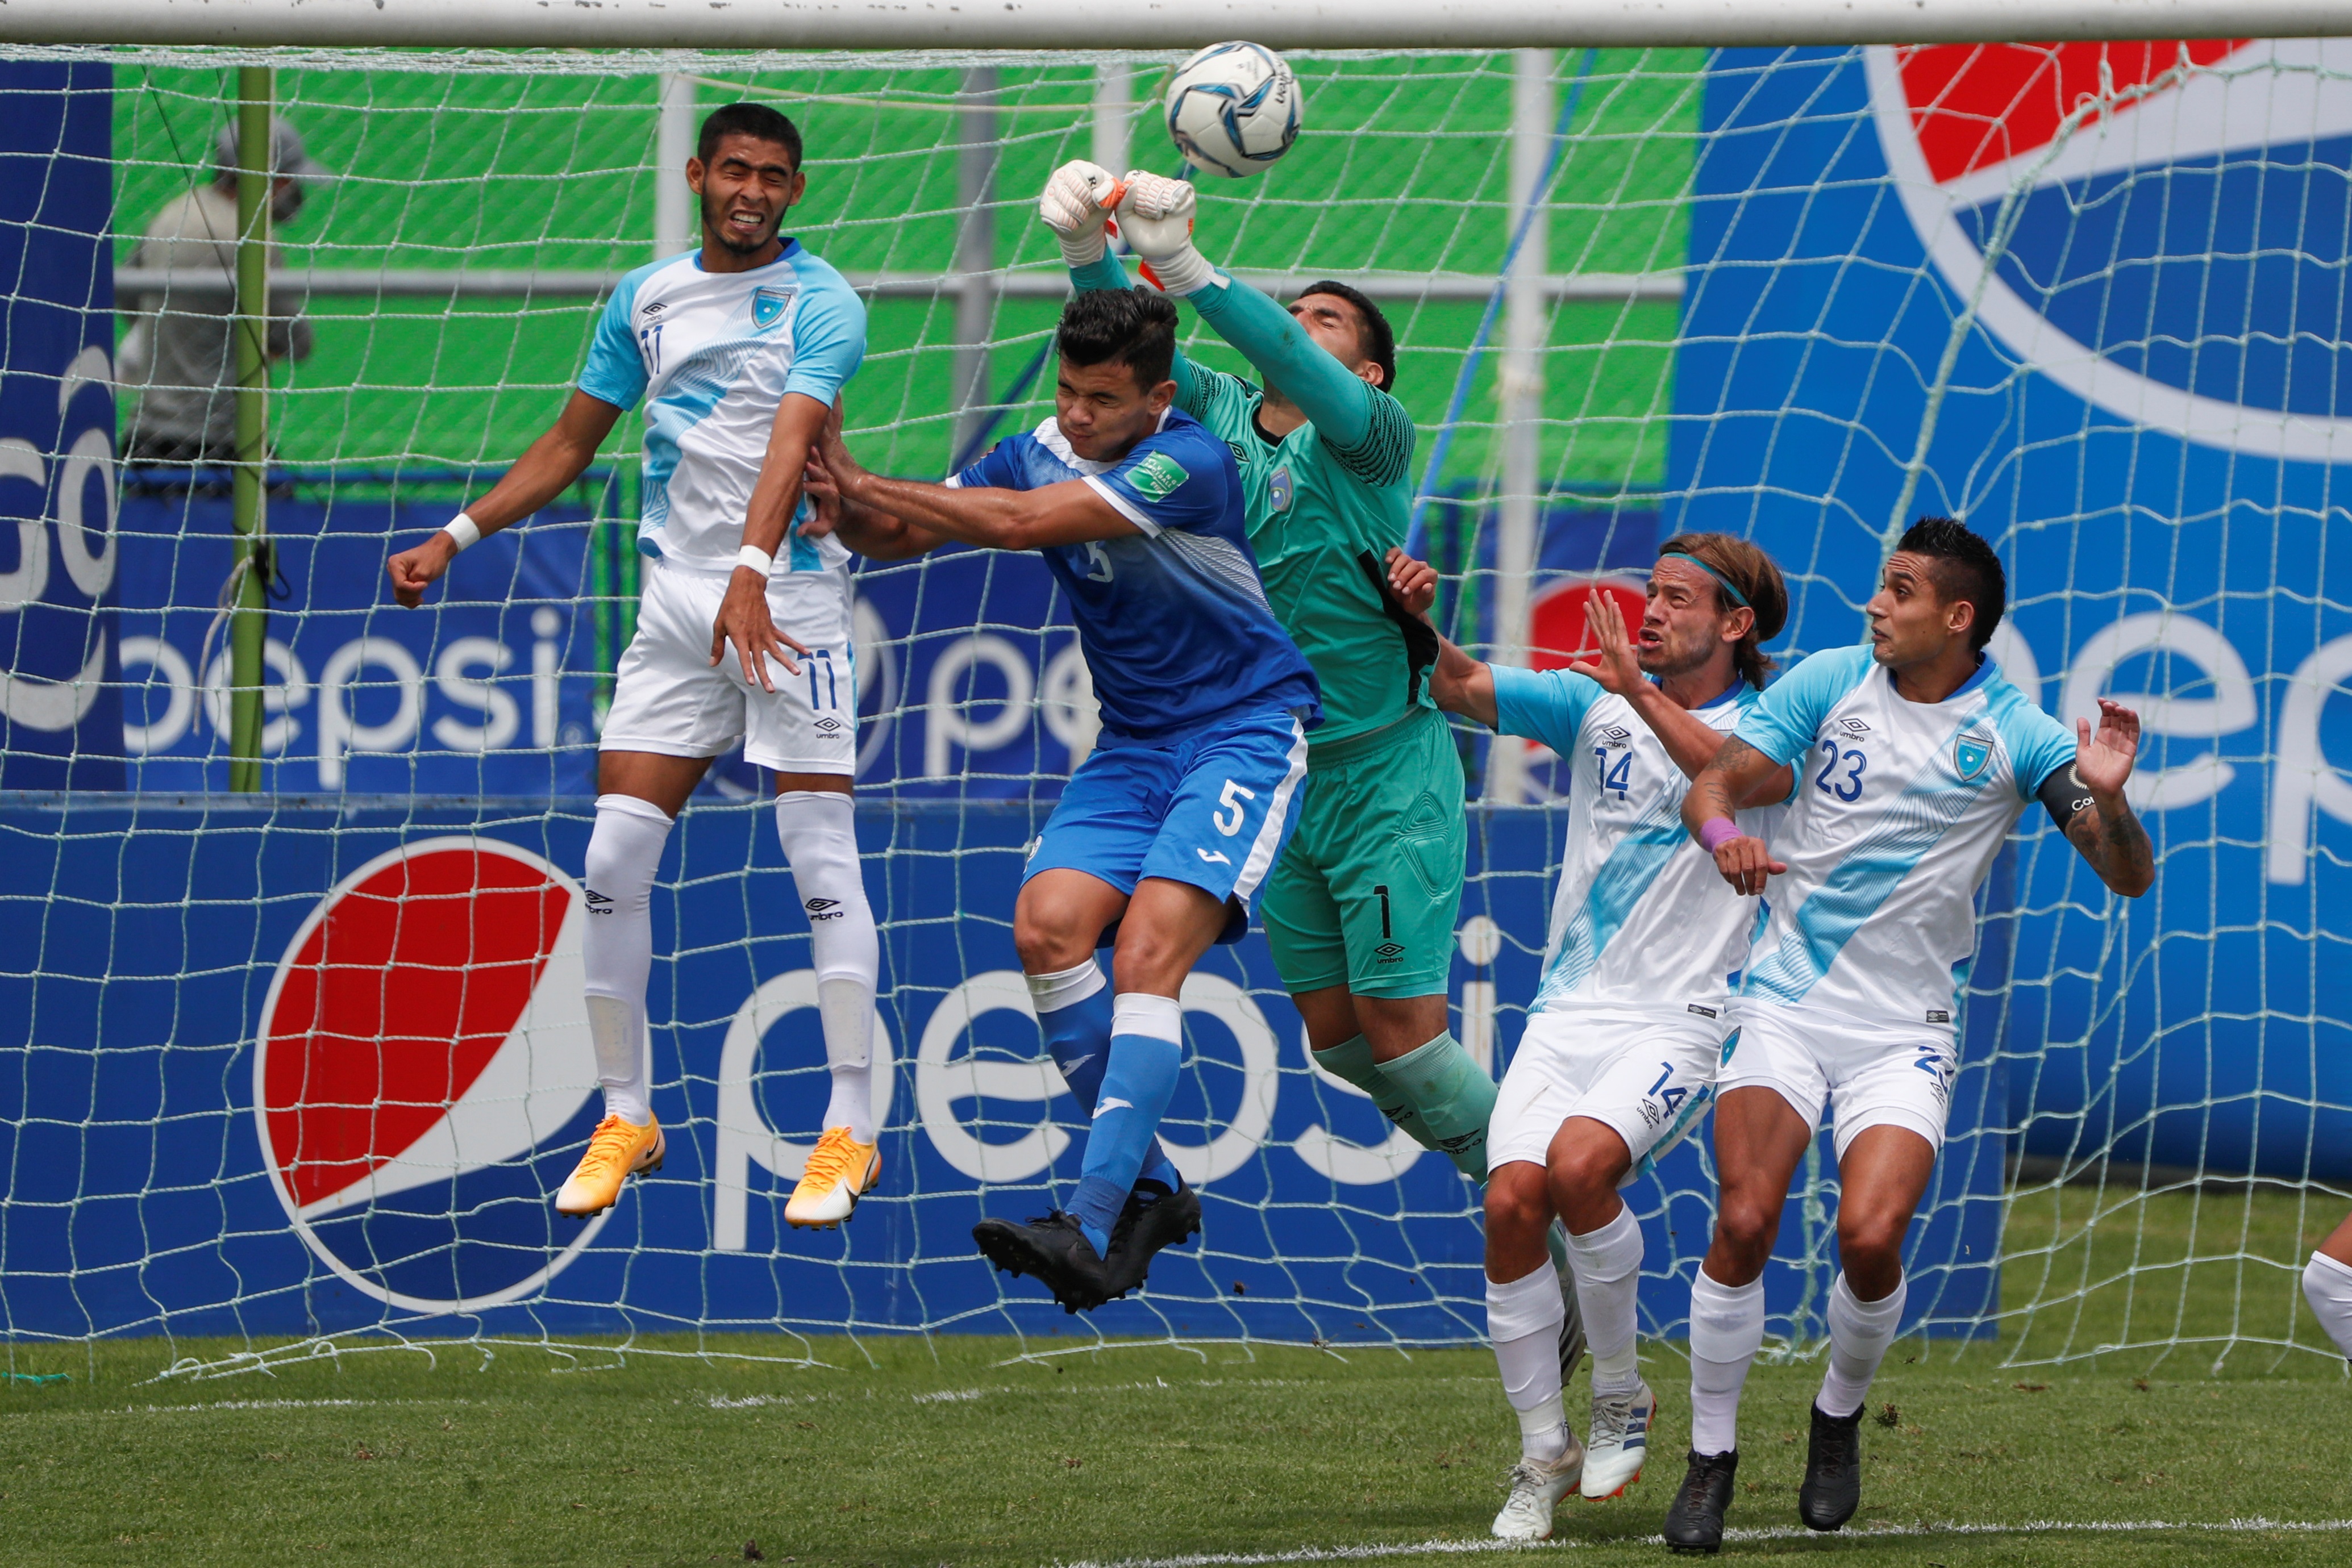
<point>1232,109</point>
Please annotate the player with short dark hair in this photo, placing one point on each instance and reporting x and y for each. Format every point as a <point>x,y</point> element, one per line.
<point>1361,913</point>
<point>1619,1056</point>
<point>1169,828</point>
<point>738,349</point>
<point>1916,759</point>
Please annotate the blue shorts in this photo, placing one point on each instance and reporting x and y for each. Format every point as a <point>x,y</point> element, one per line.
<point>1211,810</point>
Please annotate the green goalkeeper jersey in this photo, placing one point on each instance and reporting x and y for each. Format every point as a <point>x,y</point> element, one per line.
<point>1326,504</point>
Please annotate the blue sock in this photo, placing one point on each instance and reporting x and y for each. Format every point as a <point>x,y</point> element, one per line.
<point>1145,1050</point>
<point>1074,1011</point>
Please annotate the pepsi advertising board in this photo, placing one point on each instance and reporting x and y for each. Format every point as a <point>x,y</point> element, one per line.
<point>302,1069</point>
<point>2090,299</point>
<point>61,706</point>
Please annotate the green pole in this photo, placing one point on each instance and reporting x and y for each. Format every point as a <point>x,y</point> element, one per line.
<point>249,617</point>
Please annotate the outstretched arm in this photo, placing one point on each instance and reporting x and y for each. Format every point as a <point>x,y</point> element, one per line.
<point>551,466</point>
<point>1071,512</point>
<point>1157,215</point>
<point>875,534</point>
<point>1076,205</point>
<point>2087,801</point>
<point>1738,772</point>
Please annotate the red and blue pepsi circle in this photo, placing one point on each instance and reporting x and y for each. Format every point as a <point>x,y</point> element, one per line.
<point>2159,228</point>
<point>424,1078</point>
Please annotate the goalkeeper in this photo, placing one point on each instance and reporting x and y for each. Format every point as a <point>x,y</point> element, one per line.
<point>1360,911</point>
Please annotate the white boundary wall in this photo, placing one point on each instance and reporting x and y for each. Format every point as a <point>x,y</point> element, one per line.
<point>1147,23</point>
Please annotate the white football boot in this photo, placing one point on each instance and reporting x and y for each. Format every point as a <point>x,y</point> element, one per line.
<point>1620,1442</point>
<point>1536,1489</point>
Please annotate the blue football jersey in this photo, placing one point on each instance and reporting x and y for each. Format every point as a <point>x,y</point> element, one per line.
<point>1174,621</point>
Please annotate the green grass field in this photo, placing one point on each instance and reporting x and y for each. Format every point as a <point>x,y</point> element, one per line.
<point>912,1454</point>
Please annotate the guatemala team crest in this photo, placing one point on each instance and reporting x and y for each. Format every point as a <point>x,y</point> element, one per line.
<point>2158,227</point>
<point>1970,752</point>
<point>768,305</point>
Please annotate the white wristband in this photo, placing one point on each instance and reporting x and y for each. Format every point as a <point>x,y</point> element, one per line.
<point>464,531</point>
<point>755,558</point>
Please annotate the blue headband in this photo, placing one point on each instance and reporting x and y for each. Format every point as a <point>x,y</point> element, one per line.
<point>1722,582</point>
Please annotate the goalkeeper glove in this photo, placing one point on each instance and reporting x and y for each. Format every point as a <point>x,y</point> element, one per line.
<point>1076,203</point>
<point>1155,217</point>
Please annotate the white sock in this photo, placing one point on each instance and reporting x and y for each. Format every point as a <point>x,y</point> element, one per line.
<point>818,829</point>
<point>1860,1334</point>
<point>1726,1330</point>
<point>617,952</point>
<point>1523,1319</point>
<point>2328,1286</point>
<point>1608,1264</point>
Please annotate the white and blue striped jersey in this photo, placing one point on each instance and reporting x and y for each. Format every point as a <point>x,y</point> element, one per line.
<point>1642,918</point>
<point>1899,809</point>
<point>1172,618</point>
<point>713,353</point>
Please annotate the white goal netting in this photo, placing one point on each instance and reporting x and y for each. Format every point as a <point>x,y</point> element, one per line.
<point>2088,298</point>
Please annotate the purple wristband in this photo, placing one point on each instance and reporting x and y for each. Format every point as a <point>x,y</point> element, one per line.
<point>1717,831</point>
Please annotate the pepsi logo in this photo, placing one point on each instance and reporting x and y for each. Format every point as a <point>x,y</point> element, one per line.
<point>424,1078</point>
<point>2159,228</point>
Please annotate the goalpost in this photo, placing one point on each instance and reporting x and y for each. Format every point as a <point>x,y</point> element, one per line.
<point>1644,280</point>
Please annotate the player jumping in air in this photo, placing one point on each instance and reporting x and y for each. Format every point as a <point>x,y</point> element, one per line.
<point>1169,828</point>
<point>1360,912</point>
<point>1625,1032</point>
<point>739,350</point>
<point>1915,758</point>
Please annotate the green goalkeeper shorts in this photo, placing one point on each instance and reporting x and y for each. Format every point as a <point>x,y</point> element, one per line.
<point>1366,893</point>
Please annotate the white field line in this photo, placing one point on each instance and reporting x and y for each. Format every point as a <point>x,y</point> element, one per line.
<point>1730,1537</point>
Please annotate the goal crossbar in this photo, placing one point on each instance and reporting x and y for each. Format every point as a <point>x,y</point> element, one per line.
<point>1094,25</point>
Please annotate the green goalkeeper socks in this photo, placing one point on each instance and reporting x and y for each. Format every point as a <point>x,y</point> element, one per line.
<point>1452,1098</point>
<point>1352,1061</point>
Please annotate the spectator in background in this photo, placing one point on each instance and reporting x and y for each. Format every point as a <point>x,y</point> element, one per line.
<point>180,355</point>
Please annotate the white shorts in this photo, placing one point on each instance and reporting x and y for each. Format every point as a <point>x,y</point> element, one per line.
<point>1647,1075</point>
<point>670,698</point>
<point>1877,1075</point>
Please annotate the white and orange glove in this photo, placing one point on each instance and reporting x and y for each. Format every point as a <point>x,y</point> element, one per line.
<point>1075,204</point>
<point>1155,218</point>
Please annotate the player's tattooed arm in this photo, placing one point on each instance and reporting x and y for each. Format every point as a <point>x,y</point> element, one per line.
<point>2088,804</point>
<point>1738,772</point>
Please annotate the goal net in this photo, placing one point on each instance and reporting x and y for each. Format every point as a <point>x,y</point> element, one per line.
<point>306,1063</point>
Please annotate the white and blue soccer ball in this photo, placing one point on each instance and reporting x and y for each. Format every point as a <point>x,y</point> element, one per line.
<point>1233,109</point>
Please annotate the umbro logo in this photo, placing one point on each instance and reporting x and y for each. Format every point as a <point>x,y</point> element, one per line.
<point>655,308</point>
<point>1388,952</point>
<point>824,908</point>
<point>1937,1015</point>
<point>598,902</point>
<point>1703,1012</point>
<point>1616,735</point>
<point>1854,727</point>
<point>829,724</point>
